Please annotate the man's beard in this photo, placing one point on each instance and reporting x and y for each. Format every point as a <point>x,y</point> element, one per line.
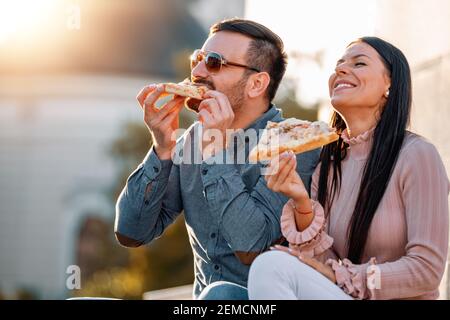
<point>235,94</point>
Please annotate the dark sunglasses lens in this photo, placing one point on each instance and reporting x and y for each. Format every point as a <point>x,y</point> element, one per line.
<point>213,62</point>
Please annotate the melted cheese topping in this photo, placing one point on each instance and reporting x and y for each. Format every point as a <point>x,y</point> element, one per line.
<point>293,132</point>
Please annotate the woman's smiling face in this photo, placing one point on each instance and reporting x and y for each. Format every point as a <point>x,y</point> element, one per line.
<point>360,79</point>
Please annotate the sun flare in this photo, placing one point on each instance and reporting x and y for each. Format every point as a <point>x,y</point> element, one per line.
<point>23,16</point>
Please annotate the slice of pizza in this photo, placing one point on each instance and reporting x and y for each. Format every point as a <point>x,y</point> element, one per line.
<point>193,92</point>
<point>291,134</point>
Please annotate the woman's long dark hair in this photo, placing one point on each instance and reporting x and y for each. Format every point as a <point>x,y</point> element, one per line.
<point>388,139</point>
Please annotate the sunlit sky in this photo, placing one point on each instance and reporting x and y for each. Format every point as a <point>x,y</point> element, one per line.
<point>23,16</point>
<point>309,28</point>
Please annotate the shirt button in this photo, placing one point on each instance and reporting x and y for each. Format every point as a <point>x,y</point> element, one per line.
<point>204,171</point>
<point>156,169</point>
<point>213,235</point>
<point>216,267</point>
<point>146,202</point>
<point>247,139</point>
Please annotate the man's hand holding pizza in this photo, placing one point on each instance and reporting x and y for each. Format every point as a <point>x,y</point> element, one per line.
<point>161,122</point>
<point>216,115</point>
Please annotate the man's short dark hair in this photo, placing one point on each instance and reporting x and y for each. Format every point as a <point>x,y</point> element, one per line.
<point>265,52</point>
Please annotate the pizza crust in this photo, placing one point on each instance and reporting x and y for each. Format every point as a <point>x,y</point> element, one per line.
<point>185,90</point>
<point>193,93</point>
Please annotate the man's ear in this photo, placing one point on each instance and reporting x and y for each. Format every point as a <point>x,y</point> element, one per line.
<point>258,84</point>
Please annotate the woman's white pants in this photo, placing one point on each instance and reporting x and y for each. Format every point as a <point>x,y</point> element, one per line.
<point>276,275</point>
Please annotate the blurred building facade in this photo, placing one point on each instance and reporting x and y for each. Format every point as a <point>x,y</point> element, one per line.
<point>63,100</point>
<point>56,171</point>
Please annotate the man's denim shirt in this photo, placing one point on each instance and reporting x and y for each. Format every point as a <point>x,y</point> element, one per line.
<point>227,207</point>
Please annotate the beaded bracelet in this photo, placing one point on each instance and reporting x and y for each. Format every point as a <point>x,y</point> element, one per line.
<point>295,209</point>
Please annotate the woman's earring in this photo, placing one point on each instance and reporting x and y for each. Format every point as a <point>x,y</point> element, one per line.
<point>387,94</point>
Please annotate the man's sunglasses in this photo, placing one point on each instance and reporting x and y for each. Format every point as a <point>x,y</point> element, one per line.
<point>214,61</point>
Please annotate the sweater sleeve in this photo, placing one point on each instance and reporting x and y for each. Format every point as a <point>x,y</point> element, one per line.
<point>424,189</point>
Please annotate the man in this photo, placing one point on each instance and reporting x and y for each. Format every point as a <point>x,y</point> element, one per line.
<point>230,214</point>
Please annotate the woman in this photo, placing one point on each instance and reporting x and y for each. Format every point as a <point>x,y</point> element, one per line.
<point>376,226</point>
